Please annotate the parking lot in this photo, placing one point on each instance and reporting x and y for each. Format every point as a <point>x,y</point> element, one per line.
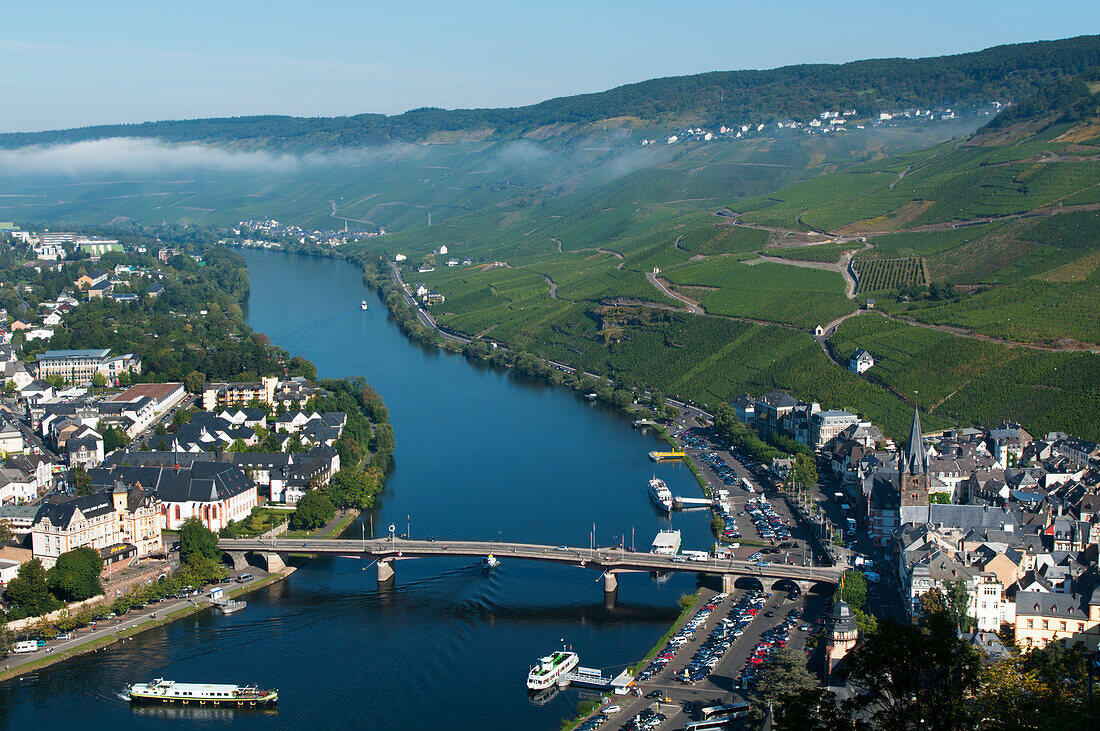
<point>756,517</point>
<point>713,659</point>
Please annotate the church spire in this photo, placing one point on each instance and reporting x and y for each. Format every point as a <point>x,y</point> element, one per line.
<point>915,455</point>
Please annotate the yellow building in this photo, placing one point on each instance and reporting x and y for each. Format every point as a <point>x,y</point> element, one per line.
<point>120,525</point>
<point>1044,617</point>
<point>138,514</point>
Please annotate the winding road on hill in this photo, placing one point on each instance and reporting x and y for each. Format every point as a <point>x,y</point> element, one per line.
<point>692,306</point>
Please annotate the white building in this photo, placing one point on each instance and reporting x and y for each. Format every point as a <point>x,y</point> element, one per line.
<point>860,361</point>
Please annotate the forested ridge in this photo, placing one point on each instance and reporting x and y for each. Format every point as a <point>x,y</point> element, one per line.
<point>1002,73</point>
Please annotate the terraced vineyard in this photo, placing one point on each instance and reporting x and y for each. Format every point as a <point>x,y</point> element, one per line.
<point>879,274</point>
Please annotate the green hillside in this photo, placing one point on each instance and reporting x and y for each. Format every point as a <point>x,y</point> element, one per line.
<point>1002,73</point>
<point>1007,272</point>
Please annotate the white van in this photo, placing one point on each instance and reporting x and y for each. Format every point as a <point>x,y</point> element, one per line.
<point>25,646</point>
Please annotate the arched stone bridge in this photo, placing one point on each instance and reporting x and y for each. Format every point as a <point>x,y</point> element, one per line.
<point>609,561</point>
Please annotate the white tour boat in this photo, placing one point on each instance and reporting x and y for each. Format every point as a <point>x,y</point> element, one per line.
<point>660,494</point>
<point>550,668</point>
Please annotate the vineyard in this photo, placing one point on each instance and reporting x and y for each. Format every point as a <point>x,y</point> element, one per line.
<point>879,274</point>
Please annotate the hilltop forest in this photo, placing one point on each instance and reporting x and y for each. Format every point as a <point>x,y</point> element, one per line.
<point>1002,73</point>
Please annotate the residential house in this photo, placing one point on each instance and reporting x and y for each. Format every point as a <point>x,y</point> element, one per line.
<point>91,279</point>
<point>860,361</point>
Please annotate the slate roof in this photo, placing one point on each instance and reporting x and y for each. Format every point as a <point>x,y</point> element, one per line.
<point>1053,604</point>
<point>60,514</point>
<point>779,400</point>
<point>201,482</point>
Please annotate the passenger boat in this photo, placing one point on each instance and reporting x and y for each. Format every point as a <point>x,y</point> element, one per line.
<point>490,562</point>
<point>363,305</point>
<point>667,543</point>
<point>162,691</point>
<point>550,668</point>
<point>660,494</point>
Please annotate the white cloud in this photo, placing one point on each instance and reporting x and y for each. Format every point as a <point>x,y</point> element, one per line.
<point>145,156</point>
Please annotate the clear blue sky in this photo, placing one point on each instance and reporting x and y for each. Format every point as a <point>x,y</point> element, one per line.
<point>65,64</point>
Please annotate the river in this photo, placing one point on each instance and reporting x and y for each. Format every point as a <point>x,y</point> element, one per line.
<point>480,454</point>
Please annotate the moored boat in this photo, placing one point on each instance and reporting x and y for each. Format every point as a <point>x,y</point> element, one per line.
<point>550,668</point>
<point>667,543</point>
<point>201,694</point>
<point>660,494</point>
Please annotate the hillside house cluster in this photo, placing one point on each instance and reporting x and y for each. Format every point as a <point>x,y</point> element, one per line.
<point>1013,517</point>
<point>829,120</point>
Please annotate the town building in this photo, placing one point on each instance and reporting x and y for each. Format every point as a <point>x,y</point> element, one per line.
<point>120,523</point>
<point>1044,617</point>
<point>79,366</point>
<point>841,635</point>
<point>214,492</point>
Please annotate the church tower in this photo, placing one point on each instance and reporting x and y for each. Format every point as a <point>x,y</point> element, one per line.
<point>913,468</point>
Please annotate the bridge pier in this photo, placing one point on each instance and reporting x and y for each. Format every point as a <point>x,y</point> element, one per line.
<point>238,558</point>
<point>610,583</point>
<point>728,581</point>
<point>385,571</point>
<point>274,562</point>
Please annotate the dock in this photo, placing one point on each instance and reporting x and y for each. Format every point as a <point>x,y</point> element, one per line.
<point>224,603</point>
<point>643,423</point>
<point>681,503</point>
<point>665,456</point>
<point>594,678</point>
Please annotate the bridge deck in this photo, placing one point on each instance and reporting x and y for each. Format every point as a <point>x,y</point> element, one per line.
<point>611,560</point>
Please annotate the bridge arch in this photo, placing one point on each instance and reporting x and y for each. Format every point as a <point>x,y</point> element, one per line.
<point>748,583</point>
<point>788,585</point>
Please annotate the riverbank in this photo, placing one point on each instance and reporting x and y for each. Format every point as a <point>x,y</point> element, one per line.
<point>105,637</point>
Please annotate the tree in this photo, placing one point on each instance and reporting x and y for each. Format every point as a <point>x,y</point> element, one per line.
<point>314,510</point>
<point>785,675</point>
<point>932,602</point>
<point>804,472</point>
<point>114,438</point>
<point>916,677</point>
<point>75,576</point>
<point>1046,685</point>
<point>817,709</point>
<point>82,483</point>
<point>194,382</point>
<point>957,596</point>
<point>124,379</point>
<point>6,533</point>
<point>99,380</point>
<point>197,542</point>
<point>28,592</point>
<point>853,589</point>
<point>866,623</point>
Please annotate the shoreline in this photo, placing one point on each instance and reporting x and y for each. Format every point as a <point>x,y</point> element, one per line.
<point>124,633</point>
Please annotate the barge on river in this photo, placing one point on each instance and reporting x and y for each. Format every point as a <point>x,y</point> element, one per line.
<point>162,691</point>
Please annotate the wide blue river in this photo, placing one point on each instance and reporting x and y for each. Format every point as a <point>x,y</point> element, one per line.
<point>480,454</point>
